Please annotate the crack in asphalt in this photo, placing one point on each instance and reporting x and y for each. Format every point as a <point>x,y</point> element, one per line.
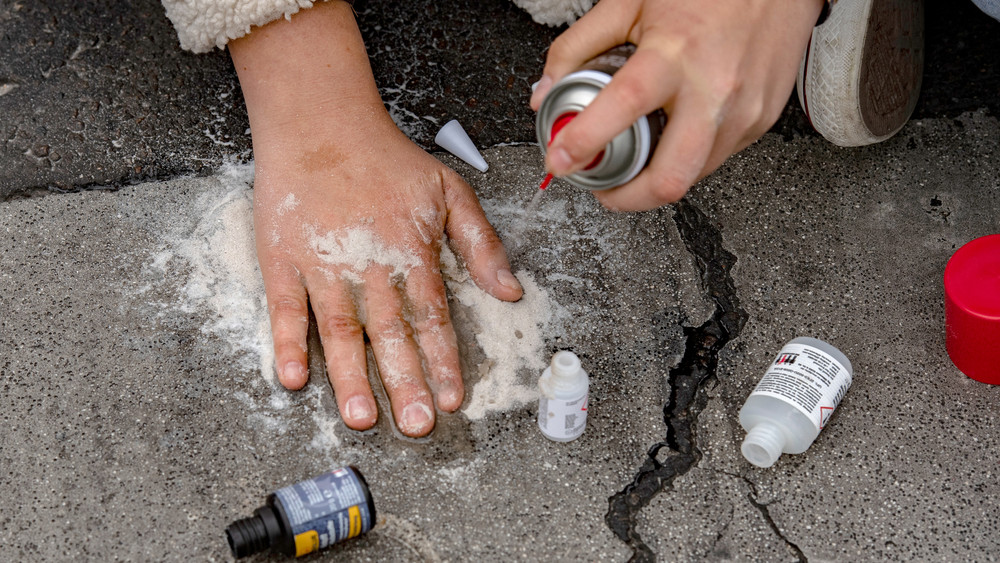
<point>714,548</point>
<point>762,507</point>
<point>766,513</point>
<point>688,398</point>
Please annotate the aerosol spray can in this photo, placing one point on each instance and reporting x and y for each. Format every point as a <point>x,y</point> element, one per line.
<point>307,516</point>
<point>794,400</point>
<point>627,154</point>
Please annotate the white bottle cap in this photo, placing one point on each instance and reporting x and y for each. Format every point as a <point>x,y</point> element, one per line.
<point>565,364</point>
<point>763,444</point>
<point>453,138</point>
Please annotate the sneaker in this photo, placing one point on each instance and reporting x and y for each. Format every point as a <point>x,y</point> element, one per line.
<point>860,77</point>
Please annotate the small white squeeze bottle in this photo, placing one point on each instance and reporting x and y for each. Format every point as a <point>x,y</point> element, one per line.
<point>562,408</point>
<point>794,400</point>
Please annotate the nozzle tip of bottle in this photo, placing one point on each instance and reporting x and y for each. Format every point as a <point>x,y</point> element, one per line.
<point>757,455</point>
<point>453,138</point>
<point>763,445</point>
<point>565,363</point>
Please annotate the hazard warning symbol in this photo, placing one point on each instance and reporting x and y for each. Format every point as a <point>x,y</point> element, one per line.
<point>824,416</point>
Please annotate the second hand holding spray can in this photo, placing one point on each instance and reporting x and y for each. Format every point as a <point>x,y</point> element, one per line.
<point>628,153</point>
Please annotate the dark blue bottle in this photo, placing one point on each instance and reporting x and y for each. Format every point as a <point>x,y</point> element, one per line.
<point>307,516</point>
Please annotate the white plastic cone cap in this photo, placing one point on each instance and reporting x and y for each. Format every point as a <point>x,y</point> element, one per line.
<point>453,138</point>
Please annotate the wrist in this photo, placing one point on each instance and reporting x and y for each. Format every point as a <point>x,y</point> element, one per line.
<point>313,66</point>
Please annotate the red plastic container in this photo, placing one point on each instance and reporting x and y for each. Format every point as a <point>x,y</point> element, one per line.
<point>972,309</point>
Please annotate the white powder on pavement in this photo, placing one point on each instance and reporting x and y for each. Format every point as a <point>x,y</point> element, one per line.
<point>326,422</point>
<point>511,337</point>
<point>223,276</point>
<point>461,476</point>
<point>217,262</point>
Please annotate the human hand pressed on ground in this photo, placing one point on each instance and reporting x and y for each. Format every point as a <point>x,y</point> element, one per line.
<point>349,216</point>
<point>721,69</point>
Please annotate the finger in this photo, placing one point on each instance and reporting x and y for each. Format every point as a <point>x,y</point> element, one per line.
<point>344,350</point>
<point>434,332</point>
<point>289,313</point>
<point>641,86</point>
<point>678,162</point>
<point>397,356</point>
<point>753,114</point>
<point>474,239</point>
<point>737,133</point>
<point>606,25</point>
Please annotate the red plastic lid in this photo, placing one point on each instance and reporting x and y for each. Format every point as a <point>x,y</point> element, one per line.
<point>972,309</point>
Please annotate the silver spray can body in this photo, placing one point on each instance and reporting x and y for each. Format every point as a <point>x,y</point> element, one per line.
<point>628,153</point>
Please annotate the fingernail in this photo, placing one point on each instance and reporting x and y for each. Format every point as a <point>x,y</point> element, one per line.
<point>358,408</point>
<point>449,398</point>
<point>415,417</point>
<point>539,89</point>
<point>508,280</point>
<point>293,374</point>
<point>559,161</point>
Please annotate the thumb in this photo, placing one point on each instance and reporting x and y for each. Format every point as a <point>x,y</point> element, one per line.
<point>477,243</point>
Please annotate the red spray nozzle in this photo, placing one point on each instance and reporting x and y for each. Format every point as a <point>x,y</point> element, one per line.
<point>561,122</point>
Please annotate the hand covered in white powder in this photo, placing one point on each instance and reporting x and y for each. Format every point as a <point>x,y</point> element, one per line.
<point>349,218</point>
<point>721,70</point>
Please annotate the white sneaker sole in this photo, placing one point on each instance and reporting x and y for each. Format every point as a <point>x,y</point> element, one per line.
<point>861,74</point>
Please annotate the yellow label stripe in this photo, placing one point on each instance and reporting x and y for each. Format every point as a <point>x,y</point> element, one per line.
<point>306,542</point>
<point>354,514</point>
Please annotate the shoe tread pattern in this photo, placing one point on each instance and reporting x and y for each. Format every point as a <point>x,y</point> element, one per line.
<point>855,91</point>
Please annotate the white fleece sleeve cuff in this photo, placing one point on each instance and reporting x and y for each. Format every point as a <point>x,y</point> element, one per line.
<point>204,24</point>
<point>555,12</point>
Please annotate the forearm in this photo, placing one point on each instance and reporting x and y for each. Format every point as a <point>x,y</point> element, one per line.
<point>291,71</point>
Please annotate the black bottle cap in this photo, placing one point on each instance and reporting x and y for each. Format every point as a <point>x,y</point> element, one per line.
<point>254,534</point>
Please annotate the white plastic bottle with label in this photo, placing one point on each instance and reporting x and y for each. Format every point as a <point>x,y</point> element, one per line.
<point>794,400</point>
<point>562,408</point>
